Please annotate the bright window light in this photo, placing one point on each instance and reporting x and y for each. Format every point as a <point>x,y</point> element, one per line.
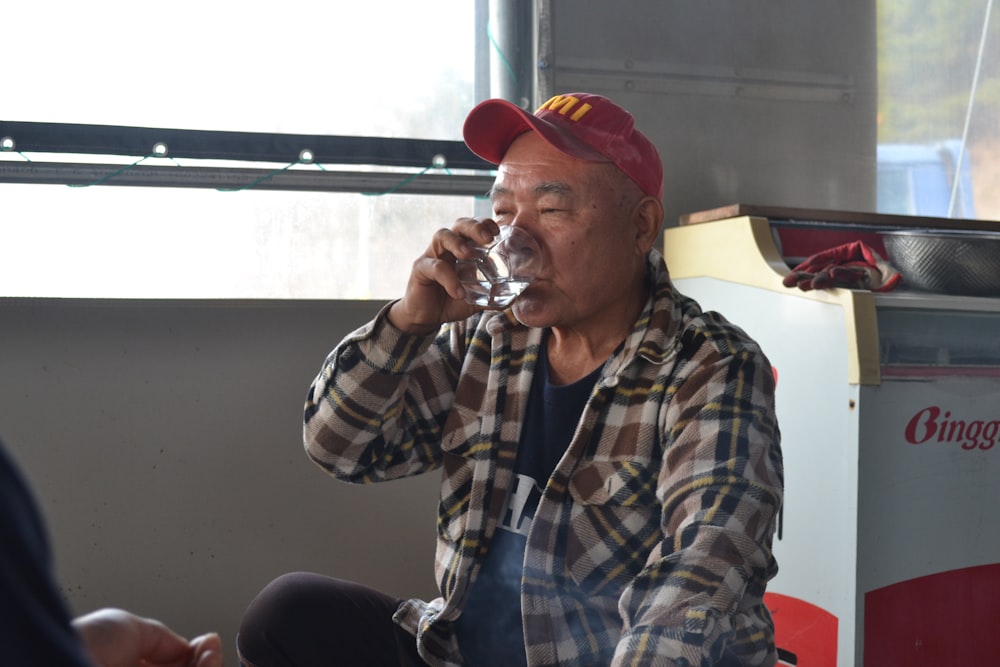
<point>386,68</point>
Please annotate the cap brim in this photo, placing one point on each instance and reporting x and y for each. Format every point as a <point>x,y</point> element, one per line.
<point>492,126</point>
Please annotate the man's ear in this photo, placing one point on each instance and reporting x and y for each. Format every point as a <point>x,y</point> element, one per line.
<point>648,220</point>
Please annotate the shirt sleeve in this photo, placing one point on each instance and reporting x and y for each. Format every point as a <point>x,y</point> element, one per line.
<point>34,621</point>
<point>377,408</point>
<point>700,598</point>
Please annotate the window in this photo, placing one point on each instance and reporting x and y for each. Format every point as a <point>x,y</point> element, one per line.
<point>390,68</point>
<point>387,68</point>
<point>939,108</point>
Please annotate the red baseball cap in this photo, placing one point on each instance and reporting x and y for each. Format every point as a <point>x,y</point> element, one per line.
<point>585,126</point>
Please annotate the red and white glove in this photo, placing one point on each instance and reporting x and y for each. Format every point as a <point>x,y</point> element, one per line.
<point>851,265</point>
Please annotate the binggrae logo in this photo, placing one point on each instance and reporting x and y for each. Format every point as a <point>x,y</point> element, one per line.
<point>935,425</point>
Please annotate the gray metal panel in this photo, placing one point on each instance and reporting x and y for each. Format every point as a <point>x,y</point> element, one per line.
<point>711,83</point>
<point>163,440</point>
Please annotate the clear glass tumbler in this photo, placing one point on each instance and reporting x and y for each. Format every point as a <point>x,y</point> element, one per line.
<point>501,270</point>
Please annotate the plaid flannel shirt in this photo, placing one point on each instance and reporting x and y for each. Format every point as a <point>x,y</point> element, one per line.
<point>651,544</point>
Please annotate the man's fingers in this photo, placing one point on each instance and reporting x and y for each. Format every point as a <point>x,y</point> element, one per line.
<point>439,271</point>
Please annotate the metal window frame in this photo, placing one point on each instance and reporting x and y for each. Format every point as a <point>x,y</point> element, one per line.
<point>291,150</point>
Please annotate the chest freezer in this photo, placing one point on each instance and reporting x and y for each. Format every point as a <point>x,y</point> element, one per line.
<point>889,406</point>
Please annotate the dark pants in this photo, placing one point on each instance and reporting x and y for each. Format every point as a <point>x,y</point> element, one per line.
<point>306,620</point>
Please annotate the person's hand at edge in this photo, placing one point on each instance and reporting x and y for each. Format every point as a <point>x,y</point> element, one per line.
<point>118,638</point>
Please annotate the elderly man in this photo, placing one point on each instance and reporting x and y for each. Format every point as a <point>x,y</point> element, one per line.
<point>610,461</point>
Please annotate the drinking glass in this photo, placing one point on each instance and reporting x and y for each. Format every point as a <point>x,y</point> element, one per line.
<point>501,270</point>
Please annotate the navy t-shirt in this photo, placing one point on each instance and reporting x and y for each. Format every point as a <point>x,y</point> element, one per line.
<point>489,630</point>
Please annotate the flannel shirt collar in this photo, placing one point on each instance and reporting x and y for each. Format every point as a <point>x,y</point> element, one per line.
<point>655,336</point>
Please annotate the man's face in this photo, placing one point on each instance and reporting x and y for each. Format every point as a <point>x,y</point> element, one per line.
<point>581,213</point>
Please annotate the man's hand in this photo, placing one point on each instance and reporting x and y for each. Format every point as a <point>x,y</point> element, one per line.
<point>117,638</point>
<point>434,294</point>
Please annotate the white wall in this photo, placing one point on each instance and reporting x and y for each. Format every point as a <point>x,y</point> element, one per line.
<point>163,439</point>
